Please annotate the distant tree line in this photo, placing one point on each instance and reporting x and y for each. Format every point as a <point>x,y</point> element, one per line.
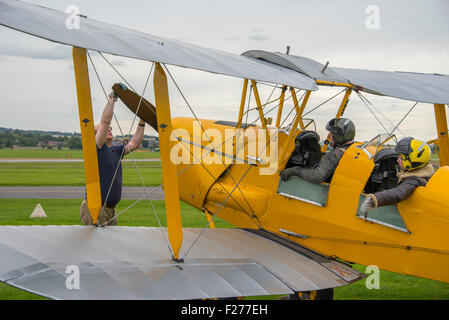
<point>10,138</point>
<point>49,140</point>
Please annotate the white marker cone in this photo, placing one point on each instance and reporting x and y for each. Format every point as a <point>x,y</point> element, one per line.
<point>38,212</point>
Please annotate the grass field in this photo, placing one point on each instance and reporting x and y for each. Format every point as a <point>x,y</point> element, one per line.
<point>72,174</point>
<point>393,286</point>
<point>39,153</point>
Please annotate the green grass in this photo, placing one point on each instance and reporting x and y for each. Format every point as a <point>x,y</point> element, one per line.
<point>72,174</point>
<point>39,153</point>
<point>393,286</point>
<point>66,212</point>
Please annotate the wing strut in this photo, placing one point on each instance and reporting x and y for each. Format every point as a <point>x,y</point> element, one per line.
<point>281,105</point>
<point>240,119</point>
<point>259,105</point>
<point>340,112</point>
<point>87,132</point>
<point>283,158</point>
<point>299,110</point>
<point>169,173</point>
<point>443,139</point>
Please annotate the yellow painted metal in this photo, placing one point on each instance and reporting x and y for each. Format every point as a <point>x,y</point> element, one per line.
<point>281,105</point>
<point>344,103</point>
<point>169,173</point>
<point>209,218</point>
<point>299,109</point>
<point>335,230</point>
<point>295,100</point>
<point>443,139</point>
<point>196,176</point>
<point>240,118</point>
<point>242,104</point>
<point>284,156</point>
<point>340,112</point>
<point>334,84</point>
<point>332,230</point>
<point>87,132</point>
<point>259,105</point>
<point>258,198</point>
<point>207,185</point>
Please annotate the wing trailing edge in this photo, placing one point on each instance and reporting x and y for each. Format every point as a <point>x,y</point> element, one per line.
<point>135,263</point>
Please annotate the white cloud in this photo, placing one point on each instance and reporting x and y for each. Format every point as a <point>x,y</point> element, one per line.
<point>57,52</point>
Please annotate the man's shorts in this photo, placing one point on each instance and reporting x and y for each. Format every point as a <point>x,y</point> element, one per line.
<point>106,215</point>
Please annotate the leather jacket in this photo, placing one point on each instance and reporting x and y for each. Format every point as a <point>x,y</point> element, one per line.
<point>324,169</point>
<point>407,183</point>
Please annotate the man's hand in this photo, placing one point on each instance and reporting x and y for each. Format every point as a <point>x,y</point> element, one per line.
<point>287,173</point>
<point>113,95</point>
<point>367,205</point>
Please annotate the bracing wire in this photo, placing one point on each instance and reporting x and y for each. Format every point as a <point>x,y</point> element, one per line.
<point>413,107</point>
<point>241,179</point>
<point>121,131</point>
<point>386,118</point>
<point>251,216</point>
<point>126,145</point>
<point>207,136</point>
<point>378,120</point>
<point>323,103</point>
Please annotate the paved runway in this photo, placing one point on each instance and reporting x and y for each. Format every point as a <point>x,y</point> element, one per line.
<point>132,193</point>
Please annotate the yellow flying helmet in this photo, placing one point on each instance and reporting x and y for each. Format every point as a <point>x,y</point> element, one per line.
<point>415,153</point>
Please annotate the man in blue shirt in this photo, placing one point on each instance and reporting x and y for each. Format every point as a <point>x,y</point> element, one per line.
<point>109,165</point>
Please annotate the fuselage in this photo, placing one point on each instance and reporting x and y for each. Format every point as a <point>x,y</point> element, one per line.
<point>324,218</point>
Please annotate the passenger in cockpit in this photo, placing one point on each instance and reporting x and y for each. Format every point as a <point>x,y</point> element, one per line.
<point>415,171</point>
<point>307,150</point>
<point>341,136</point>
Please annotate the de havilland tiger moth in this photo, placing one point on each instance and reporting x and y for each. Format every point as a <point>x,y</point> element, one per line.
<point>289,237</point>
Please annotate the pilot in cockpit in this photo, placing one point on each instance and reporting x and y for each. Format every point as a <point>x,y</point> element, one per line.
<point>341,136</point>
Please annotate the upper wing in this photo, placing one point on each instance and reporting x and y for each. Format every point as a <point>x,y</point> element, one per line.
<point>429,88</point>
<point>135,263</point>
<point>303,65</point>
<point>422,87</point>
<point>51,25</point>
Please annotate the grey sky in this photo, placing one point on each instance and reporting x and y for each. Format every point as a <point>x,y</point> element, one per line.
<point>37,87</point>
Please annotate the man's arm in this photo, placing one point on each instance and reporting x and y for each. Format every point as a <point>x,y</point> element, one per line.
<point>391,196</point>
<point>322,170</point>
<point>319,173</point>
<point>399,193</point>
<point>136,140</point>
<point>106,119</point>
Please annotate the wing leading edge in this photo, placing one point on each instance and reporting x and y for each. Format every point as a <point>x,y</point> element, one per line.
<point>422,87</point>
<point>95,35</point>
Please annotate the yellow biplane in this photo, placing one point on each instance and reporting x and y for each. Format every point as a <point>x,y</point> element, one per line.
<point>290,236</point>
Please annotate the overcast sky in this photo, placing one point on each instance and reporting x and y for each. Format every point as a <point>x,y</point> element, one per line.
<point>37,86</point>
